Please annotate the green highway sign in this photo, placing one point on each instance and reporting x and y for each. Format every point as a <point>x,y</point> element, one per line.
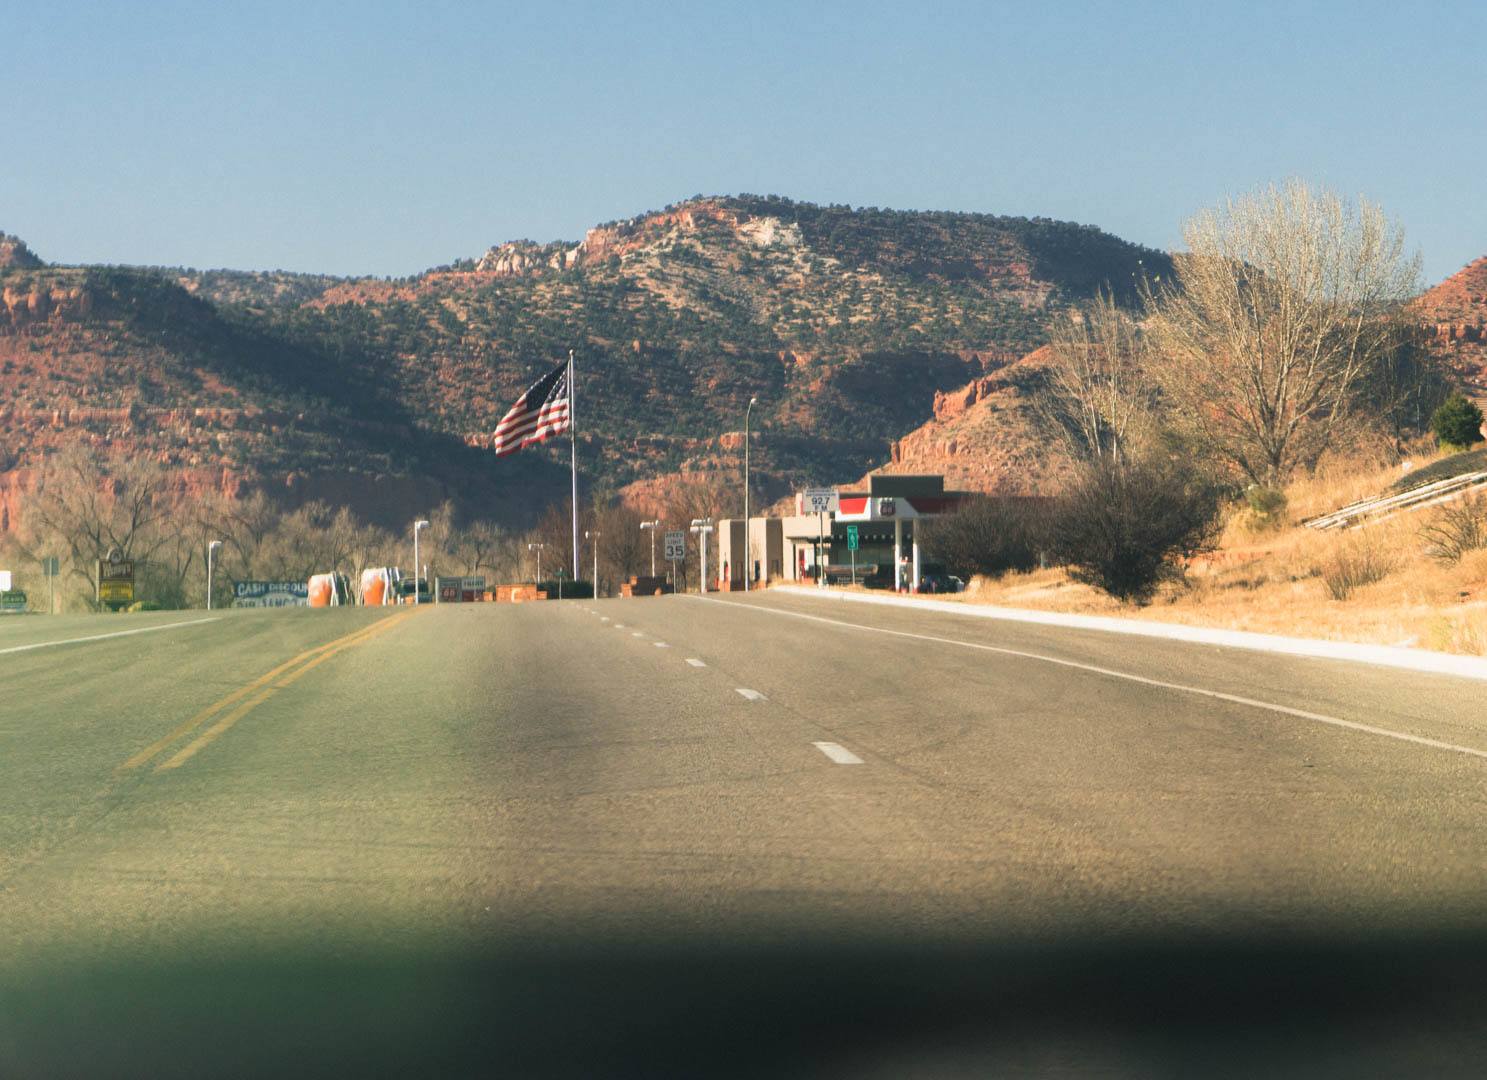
<point>852,538</point>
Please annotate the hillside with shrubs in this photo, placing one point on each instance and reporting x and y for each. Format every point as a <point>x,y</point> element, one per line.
<point>844,322</point>
<point>1272,441</point>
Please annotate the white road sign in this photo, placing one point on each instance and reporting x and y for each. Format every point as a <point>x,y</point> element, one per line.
<point>818,500</point>
<point>676,545</point>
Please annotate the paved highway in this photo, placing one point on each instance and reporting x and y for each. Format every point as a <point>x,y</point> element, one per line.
<point>760,836</point>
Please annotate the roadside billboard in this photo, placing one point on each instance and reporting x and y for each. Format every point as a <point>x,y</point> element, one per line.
<point>270,594</point>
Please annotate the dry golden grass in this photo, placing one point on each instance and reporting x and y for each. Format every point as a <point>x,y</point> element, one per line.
<point>1284,579</point>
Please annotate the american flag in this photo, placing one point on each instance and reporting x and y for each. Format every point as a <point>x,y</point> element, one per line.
<point>539,414</point>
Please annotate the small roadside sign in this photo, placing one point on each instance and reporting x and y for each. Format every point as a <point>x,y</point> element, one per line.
<point>818,500</point>
<point>676,546</point>
<point>852,538</point>
<point>115,580</point>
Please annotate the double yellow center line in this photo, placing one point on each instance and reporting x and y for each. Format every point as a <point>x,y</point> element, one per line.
<point>255,693</point>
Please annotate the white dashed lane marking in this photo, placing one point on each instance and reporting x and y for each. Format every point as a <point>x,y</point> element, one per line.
<point>752,695</point>
<point>838,753</point>
<point>662,645</point>
<point>695,662</point>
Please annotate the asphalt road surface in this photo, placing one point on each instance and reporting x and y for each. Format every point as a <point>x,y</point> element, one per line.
<point>765,836</point>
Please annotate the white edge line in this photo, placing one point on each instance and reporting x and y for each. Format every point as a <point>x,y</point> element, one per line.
<point>838,753</point>
<point>1470,667</point>
<point>113,634</point>
<point>1286,710</point>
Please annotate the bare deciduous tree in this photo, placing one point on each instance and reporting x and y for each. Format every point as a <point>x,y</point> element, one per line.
<point>1286,303</point>
<point>85,505</point>
<point>1098,399</point>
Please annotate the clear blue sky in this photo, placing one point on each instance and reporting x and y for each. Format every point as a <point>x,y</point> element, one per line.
<point>385,138</point>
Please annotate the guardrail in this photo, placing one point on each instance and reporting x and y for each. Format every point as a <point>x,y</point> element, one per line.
<point>1382,507</point>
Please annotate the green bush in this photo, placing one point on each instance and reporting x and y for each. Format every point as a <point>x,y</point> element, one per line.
<point>1124,527</point>
<point>1457,423</point>
<point>1266,504</point>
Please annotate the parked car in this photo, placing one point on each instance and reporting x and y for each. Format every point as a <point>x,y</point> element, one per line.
<point>936,583</point>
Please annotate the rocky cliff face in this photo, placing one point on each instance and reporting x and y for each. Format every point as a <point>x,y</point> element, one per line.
<point>1455,312</point>
<point>986,436</point>
<point>15,255</point>
<point>38,302</point>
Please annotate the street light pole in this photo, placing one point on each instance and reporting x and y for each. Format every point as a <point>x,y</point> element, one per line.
<point>702,526</point>
<point>748,537</point>
<point>594,536</point>
<point>651,527</point>
<point>418,526</point>
<point>211,548</point>
<point>538,549</point>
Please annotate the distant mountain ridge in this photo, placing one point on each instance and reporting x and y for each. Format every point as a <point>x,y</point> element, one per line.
<point>846,323</point>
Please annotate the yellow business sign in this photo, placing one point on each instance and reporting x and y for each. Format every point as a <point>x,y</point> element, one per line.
<point>116,592</point>
<point>115,580</point>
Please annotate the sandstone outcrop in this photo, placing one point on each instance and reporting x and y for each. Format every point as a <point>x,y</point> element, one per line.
<point>1455,313</point>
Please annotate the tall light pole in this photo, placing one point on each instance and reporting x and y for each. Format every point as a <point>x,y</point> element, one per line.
<point>418,527</point>
<point>211,549</point>
<point>594,534</point>
<point>538,549</point>
<point>651,527</point>
<point>748,538</point>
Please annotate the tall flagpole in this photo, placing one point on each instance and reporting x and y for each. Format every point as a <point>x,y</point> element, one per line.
<point>573,448</point>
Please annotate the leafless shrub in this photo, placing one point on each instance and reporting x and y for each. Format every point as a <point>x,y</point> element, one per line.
<point>1358,561</point>
<point>1456,529</point>
<point>989,536</point>
<point>1124,527</point>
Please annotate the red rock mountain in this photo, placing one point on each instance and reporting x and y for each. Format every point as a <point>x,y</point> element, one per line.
<point>1456,313</point>
<point>846,323</point>
<point>986,436</point>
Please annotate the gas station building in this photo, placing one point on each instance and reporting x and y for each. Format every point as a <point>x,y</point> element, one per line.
<point>790,549</point>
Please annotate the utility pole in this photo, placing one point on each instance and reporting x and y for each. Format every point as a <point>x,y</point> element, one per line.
<point>211,550</point>
<point>418,526</point>
<point>594,535</point>
<point>748,532</point>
